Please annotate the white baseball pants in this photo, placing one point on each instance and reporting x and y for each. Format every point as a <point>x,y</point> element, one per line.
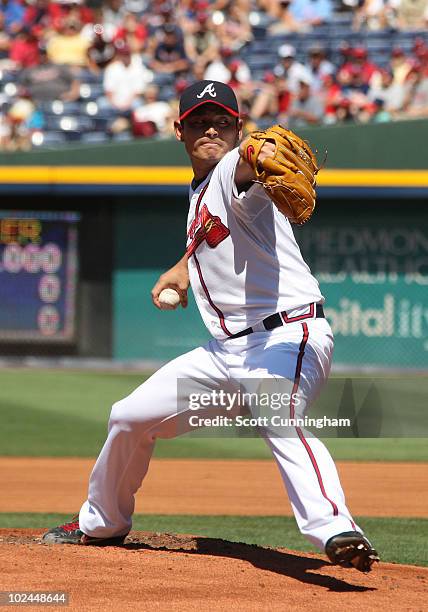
<point>298,353</point>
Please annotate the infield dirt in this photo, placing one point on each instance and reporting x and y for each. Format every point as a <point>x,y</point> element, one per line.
<point>188,574</point>
<point>189,486</point>
<point>155,571</point>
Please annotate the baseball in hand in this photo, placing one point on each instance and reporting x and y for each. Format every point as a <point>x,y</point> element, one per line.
<point>169,299</point>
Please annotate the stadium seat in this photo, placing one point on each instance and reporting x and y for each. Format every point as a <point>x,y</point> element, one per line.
<point>86,76</point>
<point>94,137</point>
<point>58,107</point>
<point>73,135</point>
<point>91,91</point>
<point>341,19</point>
<point>376,45</point>
<point>261,62</point>
<point>260,46</point>
<point>167,93</point>
<point>163,78</point>
<point>122,137</point>
<point>69,123</point>
<point>259,32</point>
<point>385,35</point>
<point>52,139</point>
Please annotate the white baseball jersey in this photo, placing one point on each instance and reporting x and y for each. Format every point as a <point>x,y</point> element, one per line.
<point>244,262</point>
<point>244,265</point>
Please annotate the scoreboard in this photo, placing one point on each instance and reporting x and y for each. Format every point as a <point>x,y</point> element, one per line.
<point>38,276</point>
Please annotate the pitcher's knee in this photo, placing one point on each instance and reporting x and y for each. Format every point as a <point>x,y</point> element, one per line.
<point>125,414</point>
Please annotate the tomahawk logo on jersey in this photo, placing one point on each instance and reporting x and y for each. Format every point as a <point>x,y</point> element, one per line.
<point>206,226</point>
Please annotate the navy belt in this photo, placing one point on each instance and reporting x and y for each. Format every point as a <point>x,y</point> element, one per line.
<point>316,311</point>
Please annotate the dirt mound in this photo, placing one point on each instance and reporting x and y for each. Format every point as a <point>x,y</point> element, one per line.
<point>155,571</point>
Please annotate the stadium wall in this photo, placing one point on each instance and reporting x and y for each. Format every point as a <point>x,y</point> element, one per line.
<point>396,145</point>
<point>370,256</point>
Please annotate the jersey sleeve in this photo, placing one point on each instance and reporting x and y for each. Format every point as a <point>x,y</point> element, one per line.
<point>224,173</point>
<point>246,204</point>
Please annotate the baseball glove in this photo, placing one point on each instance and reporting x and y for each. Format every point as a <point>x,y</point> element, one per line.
<point>289,176</point>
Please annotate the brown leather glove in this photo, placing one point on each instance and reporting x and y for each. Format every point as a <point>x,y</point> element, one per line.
<point>289,176</point>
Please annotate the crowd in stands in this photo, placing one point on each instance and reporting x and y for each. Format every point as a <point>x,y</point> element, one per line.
<point>114,69</point>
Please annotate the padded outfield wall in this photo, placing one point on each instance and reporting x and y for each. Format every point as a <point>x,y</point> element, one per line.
<point>367,243</point>
<point>370,257</point>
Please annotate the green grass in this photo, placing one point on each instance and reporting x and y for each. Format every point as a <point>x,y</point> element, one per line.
<point>65,413</point>
<point>398,540</point>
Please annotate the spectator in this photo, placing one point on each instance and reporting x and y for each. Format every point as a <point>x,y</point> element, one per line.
<point>4,42</point>
<point>305,109</point>
<point>24,49</point>
<point>201,43</point>
<point>179,86</point>
<point>318,66</point>
<point>416,98</point>
<point>270,7</point>
<point>291,69</point>
<point>5,131</point>
<point>132,32</point>
<point>13,13</point>
<point>272,98</point>
<point>226,66</point>
<point>113,15</point>
<point>124,80</point>
<point>161,15</point>
<point>420,50</point>
<point>331,97</point>
<point>365,112</point>
<point>358,63</point>
<point>197,74</point>
<point>400,65</point>
<point>23,118</point>
<point>49,81</point>
<point>284,21</point>
<point>215,33</point>
<point>100,53</point>
<point>170,55</point>
<point>49,16</point>
<point>365,67</point>
<point>354,89</point>
<point>388,91</point>
<point>239,73</point>
<point>373,15</point>
<point>345,111</point>
<point>231,24</point>
<point>240,81</point>
<point>69,46</point>
<point>308,14</point>
<point>412,14</point>
<point>345,51</point>
<point>40,15</point>
<point>380,114</point>
<point>151,110</point>
<point>189,11</point>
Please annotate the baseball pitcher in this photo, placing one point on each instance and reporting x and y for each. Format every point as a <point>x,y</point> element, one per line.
<point>264,310</point>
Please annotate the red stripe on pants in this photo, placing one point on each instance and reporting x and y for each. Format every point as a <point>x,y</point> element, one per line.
<point>299,431</point>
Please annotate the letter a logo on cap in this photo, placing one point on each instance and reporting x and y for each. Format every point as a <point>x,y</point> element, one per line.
<point>208,92</point>
<point>209,89</point>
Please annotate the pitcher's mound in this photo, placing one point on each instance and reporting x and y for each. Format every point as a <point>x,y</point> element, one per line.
<point>160,571</point>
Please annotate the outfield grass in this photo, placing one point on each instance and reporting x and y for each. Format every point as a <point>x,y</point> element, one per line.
<point>64,413</point>
<point>398,540</point>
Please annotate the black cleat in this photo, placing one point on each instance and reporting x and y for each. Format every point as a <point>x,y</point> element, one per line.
<point>70,533</point>
<point>351,549</point>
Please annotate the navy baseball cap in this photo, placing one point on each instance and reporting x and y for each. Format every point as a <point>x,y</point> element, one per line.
<point>208,92</point>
